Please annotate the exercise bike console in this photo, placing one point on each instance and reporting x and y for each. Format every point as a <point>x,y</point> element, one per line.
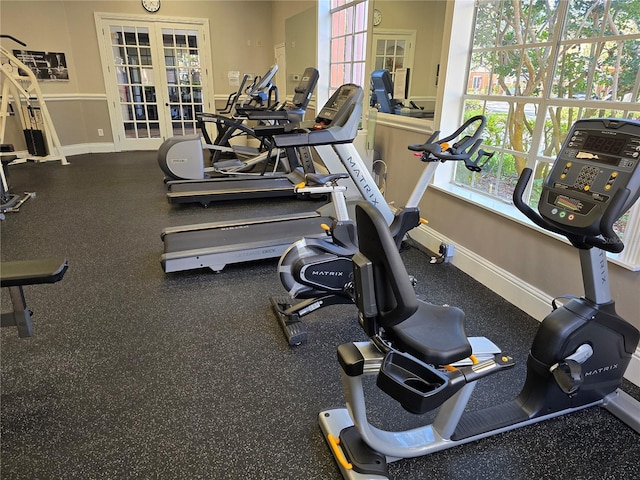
<point>595,179</point>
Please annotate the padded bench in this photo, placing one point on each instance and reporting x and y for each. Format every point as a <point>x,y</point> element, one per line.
<point>15,275</point>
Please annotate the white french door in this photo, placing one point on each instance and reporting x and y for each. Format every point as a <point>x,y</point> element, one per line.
<point>393,49</point>
<point>157,77</point>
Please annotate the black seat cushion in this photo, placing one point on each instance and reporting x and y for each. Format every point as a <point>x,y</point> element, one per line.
<point>434,334</point>
<point>31,272</point>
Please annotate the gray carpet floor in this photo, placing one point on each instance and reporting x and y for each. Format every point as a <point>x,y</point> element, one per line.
<point>134,373</point>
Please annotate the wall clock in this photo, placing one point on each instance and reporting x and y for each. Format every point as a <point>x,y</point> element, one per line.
<point>377,17</point>
<point>151,5</point>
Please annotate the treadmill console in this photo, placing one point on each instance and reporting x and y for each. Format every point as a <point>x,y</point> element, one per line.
<point>598,158</point>
<point>339,107</point>
<point>337,121</point>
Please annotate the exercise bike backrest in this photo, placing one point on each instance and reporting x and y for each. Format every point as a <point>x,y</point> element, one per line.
<point>382,92</point>
<point>384,293</point>
<point>462,148</point>
<point>594,181</point>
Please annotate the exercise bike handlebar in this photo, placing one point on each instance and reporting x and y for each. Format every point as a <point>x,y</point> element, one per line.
<point>607,239</point>
<point>435,149</point>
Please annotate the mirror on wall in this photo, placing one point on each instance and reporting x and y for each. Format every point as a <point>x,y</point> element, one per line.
<point>300,47</point>
<point>408,34</point>
<point>405,34</point>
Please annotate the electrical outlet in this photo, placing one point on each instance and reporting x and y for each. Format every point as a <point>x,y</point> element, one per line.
<point>100,132</point>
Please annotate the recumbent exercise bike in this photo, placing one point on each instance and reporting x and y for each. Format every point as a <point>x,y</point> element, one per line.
<point>318,271</point>
<point>578,356</point>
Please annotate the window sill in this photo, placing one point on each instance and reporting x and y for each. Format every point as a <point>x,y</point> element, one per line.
<point>509,211</point>
<point>411,124</point>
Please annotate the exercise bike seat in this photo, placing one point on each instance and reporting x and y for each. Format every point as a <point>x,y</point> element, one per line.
<point>319,179</point>
<point>434,334</point>
<point>31,272</point>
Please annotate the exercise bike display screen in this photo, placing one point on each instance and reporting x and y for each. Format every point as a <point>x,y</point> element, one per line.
<point>598,158</point>
<point>602,144</point>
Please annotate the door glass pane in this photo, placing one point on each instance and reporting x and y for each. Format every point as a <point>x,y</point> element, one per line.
<point>152,112</point>
<point>391,54</point>
<point>137,103</point>
<point>154,129</point>
<point>150,94</point>
<point>172,76</point>
<point>143,37</point>
<point>129,130</point>
<point>145,56</point>
<point>130,36</point>
<point>183,73</point>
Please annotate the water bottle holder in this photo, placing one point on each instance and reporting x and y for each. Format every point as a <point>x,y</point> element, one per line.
<point>418,387</point>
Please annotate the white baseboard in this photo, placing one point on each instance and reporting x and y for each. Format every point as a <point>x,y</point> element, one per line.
<point>69,150</point>
<point>633,370</point>
<point>526,297</point>
<point>82,148</point>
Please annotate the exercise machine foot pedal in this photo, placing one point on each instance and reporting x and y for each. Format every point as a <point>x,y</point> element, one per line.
<point>294,330</point>
<point>489,419</point>
<point>362,458</point>
<point>280,306</point>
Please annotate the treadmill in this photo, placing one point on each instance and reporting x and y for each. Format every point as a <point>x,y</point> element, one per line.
<point>242,185</point>
<point>214,245</point>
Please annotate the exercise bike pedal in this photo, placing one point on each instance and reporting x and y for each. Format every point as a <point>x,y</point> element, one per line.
<point>294,330</point>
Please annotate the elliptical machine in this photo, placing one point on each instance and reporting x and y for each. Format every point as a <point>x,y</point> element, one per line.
<point>319,270</point>
<point>578,356</point>
<point>182,158</point>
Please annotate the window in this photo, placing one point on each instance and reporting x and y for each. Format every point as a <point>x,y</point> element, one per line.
<point>476,82</point>
<point>348,42</point>
<point>535,68</point>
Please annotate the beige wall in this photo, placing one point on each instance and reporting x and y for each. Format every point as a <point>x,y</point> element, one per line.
<point>240,37</point>
<point>69,26</point>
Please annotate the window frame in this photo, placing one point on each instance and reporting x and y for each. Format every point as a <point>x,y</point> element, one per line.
<point>458,53</point>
